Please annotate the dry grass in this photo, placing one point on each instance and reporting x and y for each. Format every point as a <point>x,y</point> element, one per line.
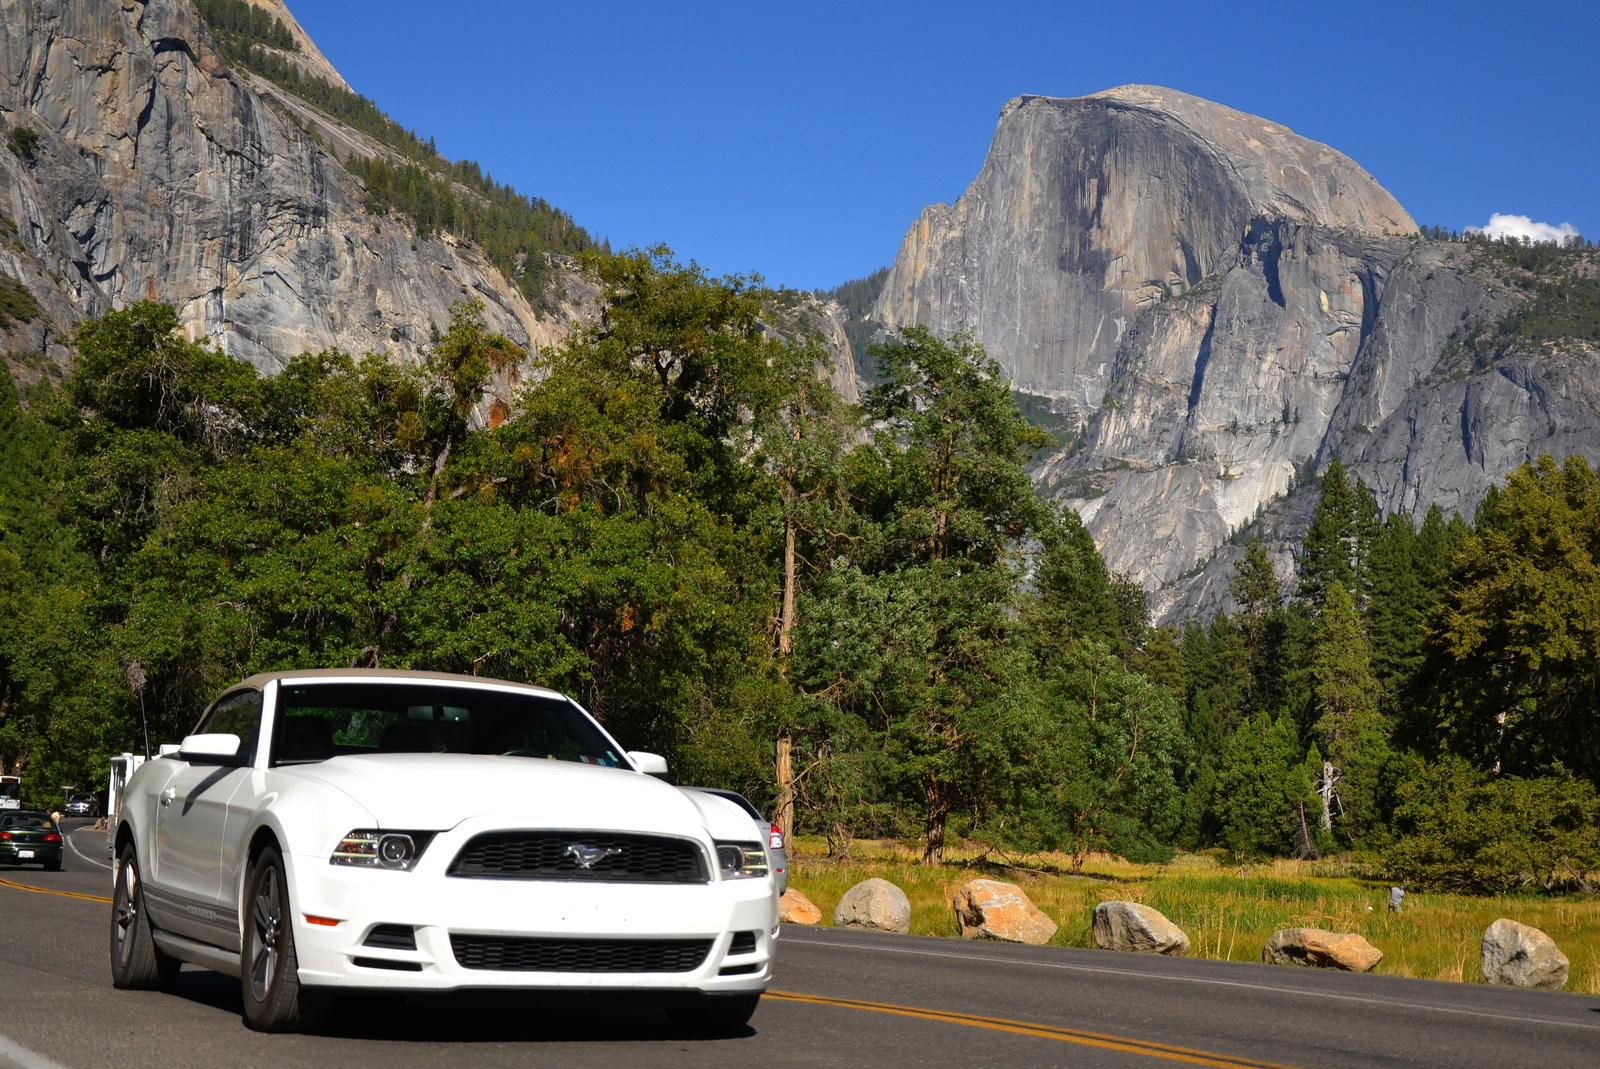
<point>1228,912</point>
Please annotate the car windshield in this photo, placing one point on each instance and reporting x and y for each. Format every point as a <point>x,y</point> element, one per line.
<point>317,721</point>
<point>17,822</point>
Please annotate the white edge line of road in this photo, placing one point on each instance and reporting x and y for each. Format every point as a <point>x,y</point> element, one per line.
<point>1204,980</point>
<point>85,856</point>
<point>15,1056</point>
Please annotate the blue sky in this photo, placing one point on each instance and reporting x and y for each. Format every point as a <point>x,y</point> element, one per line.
<point>800,141</point>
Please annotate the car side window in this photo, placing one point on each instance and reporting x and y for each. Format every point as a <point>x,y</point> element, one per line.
<point>238,714</point>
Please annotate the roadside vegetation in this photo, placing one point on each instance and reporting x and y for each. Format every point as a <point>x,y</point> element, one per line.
<point>1228,910</point>
<point>862,617</point>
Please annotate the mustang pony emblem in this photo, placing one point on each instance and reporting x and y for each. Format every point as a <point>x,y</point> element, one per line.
<point>587,857</point>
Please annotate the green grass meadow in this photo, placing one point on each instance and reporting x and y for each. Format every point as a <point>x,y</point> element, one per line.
<point>1228,913</point>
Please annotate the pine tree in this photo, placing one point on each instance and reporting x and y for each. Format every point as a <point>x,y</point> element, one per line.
<point>1349,726</point>
<point>1325,552</point>
<point>1431,553</point>
<point>1255,588</point>
<point>1399,600</point>
<point>1339,540</point>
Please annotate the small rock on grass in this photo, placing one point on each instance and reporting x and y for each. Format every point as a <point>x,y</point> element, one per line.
<point>1135,927</point>
<point>989,909</point>
<point>876,904</point>
<point>796,908</point>
<point>1522,956</point>
<point>1319,949</point>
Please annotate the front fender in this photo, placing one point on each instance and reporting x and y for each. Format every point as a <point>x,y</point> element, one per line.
<point>304,819</point>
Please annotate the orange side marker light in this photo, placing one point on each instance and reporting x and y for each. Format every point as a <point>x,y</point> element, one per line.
<point>328,922</point>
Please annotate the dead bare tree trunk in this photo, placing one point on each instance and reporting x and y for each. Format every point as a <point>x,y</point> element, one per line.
<point>1325,788</point>
<point>786,788</point>
<point>786,620</point>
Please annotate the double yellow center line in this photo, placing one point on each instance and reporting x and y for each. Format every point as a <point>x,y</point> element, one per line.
<point>53,891</point>
<point>1121,1044</point>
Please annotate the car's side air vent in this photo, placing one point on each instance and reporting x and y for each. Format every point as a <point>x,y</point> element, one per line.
<point>392,937</point>
<point>579,955</point>
<point>575,855</point>
<point>743,943</point>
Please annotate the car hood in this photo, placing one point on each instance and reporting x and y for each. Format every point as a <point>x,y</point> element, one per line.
<point>435,792</point>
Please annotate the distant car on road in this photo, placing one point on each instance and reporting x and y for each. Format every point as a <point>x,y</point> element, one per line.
<point>776,848</point>
<point>82,804</point>
<point>416,832</point>
<point>28,837</point>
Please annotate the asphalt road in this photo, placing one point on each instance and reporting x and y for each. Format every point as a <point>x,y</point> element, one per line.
<point>840,999</point>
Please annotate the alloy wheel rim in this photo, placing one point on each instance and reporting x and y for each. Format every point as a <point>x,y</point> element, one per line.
<point>267,924</point>
<point>127,908</point>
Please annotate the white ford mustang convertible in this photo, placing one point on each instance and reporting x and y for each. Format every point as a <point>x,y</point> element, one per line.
<point>419,832</point>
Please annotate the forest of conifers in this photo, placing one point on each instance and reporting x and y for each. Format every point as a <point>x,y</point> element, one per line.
<point>682,524</point>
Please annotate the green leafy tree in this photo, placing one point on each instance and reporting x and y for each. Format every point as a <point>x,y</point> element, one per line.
<point>1106,759</point>
<point>1265,787</point>
<point>1513,648</point>
<point>1461,829</point>
<point>943,503</point>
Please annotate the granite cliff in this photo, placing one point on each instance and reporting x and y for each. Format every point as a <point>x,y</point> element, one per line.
<point>160,172</point>
<point>1221,306</point>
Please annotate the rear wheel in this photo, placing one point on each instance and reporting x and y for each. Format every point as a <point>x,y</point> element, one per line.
<point>53,866</point>
<point>274,1000</point>
<point>136,961</point>
<point>715,1016</point>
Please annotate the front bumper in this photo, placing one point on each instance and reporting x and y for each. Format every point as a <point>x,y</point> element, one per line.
<point>436,905</point>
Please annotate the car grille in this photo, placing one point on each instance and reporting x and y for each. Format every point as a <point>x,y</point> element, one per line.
<point>579,955</point>
<point>555,855</point>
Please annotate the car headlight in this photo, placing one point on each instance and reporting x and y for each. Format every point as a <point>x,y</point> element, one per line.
<point>741,861</point>
<point>374,848</point>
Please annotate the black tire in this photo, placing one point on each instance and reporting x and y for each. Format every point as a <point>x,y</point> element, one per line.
<point>717,1016</point>
<point>269,970</point>
<point>53,866</point>
<point>136,962</point>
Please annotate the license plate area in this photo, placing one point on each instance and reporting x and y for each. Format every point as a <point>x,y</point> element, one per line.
<point>24,853</point>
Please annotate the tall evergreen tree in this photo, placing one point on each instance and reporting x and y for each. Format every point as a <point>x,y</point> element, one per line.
<point>1349,726</point>
<point>1399,601</point>
<point>1337,544</point>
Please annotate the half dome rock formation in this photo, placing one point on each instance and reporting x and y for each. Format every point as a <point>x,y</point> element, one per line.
<point>1217,306</point>
<point>1090,209</point>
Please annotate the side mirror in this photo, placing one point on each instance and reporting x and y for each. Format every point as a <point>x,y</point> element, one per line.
<point>213,749</point>
<point>651,764</point>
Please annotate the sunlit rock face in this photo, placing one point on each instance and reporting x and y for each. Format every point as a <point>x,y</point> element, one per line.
<point>1222,305</point>
<point>163,174</point>
<point>1090,210</point>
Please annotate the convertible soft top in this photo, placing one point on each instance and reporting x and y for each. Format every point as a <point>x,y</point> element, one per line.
<point>395,674</point>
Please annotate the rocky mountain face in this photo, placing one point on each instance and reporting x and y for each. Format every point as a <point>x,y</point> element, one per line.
<point>1223,306</point>
<point>161,172</point>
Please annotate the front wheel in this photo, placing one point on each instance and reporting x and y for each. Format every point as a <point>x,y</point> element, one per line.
<point>269,972</point>
<point>716,1016</point>
<point>136,962</point>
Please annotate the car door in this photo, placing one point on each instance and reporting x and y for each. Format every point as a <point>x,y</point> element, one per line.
<point>191,816</point>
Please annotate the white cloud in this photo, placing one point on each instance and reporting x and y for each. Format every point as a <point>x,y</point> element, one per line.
<point>1520,226</point>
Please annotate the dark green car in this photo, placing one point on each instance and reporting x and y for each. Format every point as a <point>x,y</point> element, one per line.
<point>28,838</point>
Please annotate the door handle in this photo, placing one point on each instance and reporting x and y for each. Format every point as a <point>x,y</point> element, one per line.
<point>168,795</point>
